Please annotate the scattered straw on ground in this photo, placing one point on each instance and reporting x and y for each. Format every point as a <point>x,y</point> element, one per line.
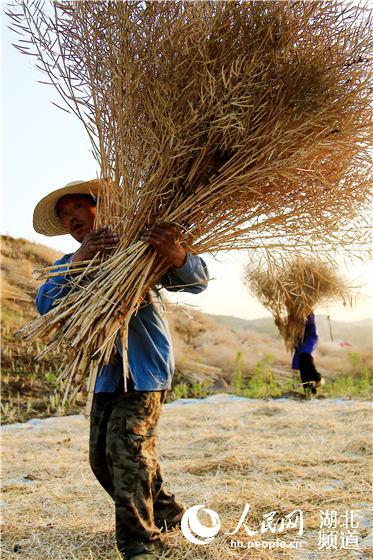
<point>274,455</point>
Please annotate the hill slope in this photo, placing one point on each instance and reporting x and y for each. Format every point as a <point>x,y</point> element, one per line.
<point>358,333</point>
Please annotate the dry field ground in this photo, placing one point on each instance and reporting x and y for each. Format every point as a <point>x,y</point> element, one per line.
<point>281,456</point>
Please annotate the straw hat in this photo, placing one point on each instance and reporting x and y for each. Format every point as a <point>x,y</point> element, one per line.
<point>46,220</point>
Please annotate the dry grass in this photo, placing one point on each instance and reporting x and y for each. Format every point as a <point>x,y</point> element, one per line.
<point>28,388</point>
<point>246,123</point>
<point>19,257</point>
<point>275,456</point>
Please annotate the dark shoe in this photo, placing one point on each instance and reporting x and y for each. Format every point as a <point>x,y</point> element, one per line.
<point>318,382</point>
<point>312,386</point>
<point>149,551</point>
<point>308,389</point>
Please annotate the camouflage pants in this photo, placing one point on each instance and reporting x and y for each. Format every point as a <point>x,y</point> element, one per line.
<point>123,459</point>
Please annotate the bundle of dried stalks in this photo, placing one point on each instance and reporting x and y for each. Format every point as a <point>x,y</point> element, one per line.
<point>246,123</point>
<point>292,290</point>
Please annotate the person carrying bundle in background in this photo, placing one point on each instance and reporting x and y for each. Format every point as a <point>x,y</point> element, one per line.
<point>303,360</point>
<point>291,289</point>
<point>123,423</point>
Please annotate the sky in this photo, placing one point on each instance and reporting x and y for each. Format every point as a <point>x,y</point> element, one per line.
<point>44,148</point>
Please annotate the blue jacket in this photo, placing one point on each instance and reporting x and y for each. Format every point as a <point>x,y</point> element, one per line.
<point>150,355</point>
<point>309,343</point>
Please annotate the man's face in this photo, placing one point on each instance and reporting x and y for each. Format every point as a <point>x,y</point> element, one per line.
<point>77,214</point>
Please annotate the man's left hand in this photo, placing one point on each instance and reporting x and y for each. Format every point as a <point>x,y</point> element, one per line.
<point>165,240</point>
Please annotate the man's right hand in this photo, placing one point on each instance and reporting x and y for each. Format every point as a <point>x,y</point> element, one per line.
<point>95,241</point>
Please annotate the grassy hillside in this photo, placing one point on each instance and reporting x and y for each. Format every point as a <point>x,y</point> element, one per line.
<point>28,387</point>
<point>264,325</point>
<point>213,353</point>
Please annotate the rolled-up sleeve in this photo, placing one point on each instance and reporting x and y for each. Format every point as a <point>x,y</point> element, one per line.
<point>54,289</point>
<point>192,277</point>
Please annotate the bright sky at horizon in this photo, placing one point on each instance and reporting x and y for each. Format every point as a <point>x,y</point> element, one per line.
<point>43,148</point>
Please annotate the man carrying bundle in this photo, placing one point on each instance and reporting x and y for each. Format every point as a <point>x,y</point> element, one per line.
<point>123,423</point>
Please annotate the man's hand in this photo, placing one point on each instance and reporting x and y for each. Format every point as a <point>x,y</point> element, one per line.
<point>165,239</point>
<point>96,240</point>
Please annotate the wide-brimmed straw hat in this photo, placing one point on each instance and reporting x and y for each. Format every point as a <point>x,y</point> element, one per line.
<point>46,219</point>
